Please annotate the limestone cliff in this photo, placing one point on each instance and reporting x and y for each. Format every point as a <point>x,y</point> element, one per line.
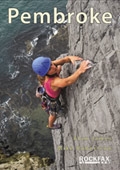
<point>91,126</point>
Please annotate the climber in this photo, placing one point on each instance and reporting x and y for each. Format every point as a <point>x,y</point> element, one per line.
<point>48,75</point>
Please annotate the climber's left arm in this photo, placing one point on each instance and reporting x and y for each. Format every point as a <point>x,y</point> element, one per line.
<point>66,59</point>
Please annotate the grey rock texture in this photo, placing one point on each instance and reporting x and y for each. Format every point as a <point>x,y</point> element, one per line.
<point>91,124</point>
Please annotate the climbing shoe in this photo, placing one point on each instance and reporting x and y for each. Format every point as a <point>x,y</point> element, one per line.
<point>56,126</point>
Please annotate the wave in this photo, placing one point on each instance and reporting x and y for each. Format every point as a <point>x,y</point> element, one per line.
<point>22,121</point>
<point>25,45</point>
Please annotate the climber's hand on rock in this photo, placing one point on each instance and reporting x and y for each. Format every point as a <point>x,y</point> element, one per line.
<point>85,65</point>
<point>75,58</point>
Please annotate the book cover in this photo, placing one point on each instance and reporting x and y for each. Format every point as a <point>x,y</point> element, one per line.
<point>89,137</point>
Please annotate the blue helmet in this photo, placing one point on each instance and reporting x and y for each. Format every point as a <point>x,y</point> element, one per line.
<point>41,65</point>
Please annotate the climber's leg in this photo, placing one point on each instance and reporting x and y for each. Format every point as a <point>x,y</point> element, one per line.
<point>51,120</point>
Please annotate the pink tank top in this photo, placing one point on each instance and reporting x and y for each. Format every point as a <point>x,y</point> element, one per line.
<point>49,91</point>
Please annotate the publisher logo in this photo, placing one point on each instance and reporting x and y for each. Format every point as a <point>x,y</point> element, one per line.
<point>94,160</point>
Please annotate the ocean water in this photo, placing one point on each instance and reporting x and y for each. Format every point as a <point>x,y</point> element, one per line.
<point>8,32</point>
<point>13,36</point>
<point>19,45</point>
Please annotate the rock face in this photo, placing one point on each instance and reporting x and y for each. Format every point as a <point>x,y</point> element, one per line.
<point>91,126</point>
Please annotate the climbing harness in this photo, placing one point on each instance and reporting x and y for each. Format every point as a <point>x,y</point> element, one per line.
<point>50,105</point>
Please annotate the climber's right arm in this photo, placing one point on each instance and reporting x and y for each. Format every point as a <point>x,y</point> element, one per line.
<point>63,82</point>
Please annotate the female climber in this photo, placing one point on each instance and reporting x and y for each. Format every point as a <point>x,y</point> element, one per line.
<point>48,75</point>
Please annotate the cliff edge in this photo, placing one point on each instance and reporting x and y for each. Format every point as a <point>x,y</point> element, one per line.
<point>91,125</point>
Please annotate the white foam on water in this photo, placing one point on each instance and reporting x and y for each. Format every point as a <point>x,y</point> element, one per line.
<point>33,43</point>
<point>6,103</point>
<point>14,75</point>
<point>22,121</point>
<point>55,31</point>
<point>51,34</point>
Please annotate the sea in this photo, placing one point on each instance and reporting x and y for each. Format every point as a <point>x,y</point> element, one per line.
<point>10,33</point>
<point>18,42</point>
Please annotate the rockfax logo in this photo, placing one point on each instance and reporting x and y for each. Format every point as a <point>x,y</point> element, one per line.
<point>94,160</point>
